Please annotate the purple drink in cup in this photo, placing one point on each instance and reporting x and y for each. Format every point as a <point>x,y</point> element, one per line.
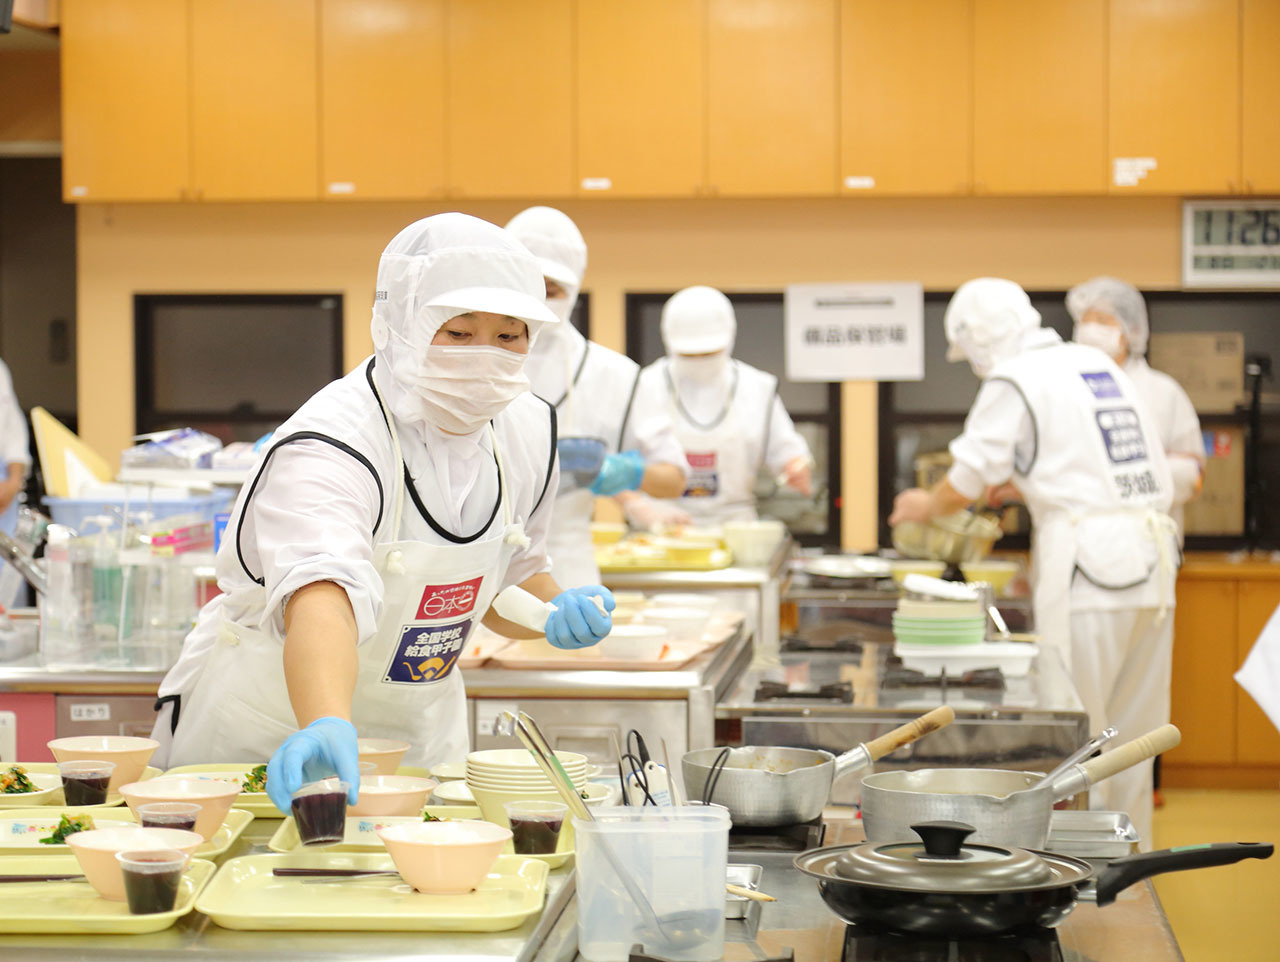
<point>85,782</point>
<point>181,815</point>
<point>535,826</point>
<point>151,879</point>
<point>320,812</point>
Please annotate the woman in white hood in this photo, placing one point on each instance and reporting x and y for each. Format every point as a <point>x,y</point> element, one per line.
<point>375,533</point>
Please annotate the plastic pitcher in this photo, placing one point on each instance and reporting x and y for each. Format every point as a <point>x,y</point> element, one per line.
<point>676,857</point>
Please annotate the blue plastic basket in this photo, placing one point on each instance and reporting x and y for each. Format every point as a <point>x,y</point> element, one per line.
<point>74,511</point>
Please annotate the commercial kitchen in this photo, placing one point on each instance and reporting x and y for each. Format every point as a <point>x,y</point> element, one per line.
<point>727,385</point>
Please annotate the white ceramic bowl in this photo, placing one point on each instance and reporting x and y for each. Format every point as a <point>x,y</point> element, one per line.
<point>634,642</point>
<point>46,783</point>
<point>449,771</point>
<point>518,758</point>
<point>753,543</point>
<point>130,754</point>
<point>214,798</point>
<point>491,802</point>
<point>392,795</point>
<point>444,857</point>
<point>96,849</point>
<point>683,624</point>
<point>385,753</point>
<point>452,793</point>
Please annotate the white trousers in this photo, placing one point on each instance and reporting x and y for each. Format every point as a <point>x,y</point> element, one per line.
<point>1121,663</point>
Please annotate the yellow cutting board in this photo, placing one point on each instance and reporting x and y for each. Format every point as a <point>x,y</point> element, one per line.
<point>55,443</point>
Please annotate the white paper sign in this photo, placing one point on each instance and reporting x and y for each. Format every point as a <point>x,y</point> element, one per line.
<point>854,332</point>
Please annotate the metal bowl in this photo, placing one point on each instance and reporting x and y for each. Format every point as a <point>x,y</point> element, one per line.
<point>953,538</point>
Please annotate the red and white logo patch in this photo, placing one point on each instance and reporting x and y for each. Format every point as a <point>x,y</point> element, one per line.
<point>448,601</point>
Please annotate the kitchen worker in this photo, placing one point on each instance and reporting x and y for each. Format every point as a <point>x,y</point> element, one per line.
<point>728,416</point>
<point>1111,315</point>
<point>593,390</point>
<point>379,525</point>
<point>15,453</point>
<point>1068,427</point>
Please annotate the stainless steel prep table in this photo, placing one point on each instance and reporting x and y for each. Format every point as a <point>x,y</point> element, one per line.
<point>1133,929</point>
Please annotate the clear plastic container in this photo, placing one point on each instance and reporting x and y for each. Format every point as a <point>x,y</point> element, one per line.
<point>677,858</point>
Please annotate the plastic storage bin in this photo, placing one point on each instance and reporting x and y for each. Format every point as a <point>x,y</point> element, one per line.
<point>677,857</point>
<point>159,504</point>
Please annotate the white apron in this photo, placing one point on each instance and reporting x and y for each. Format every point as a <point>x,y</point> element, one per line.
<point>409,686</point>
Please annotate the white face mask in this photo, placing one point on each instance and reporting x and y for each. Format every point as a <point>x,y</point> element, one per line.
<point>1104,337</point>
<point>702,369</point>
<point>463,388</point>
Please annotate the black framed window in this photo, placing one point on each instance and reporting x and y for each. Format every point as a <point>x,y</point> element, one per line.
<point>813,406</point>
<point>234,365</point>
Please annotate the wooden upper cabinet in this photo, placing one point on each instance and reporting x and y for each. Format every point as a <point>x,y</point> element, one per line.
<point>253,100</point>
<point>510,104</point>
<point>1261,96</point>
<point>1174,96</point>
<point>124,100</point>
<point>1040,97</point>
<point>382,99</point>
<point>772,82</point>
<point>1258,741</point>
<point>641,98</point>
<point>906,96</point>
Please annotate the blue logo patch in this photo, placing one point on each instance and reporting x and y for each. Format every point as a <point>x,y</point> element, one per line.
<point>1122,435</point>
<point>426,653</point>
<point>1102,384</point>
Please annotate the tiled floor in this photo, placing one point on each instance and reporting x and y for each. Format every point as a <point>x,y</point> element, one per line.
<point>1228,914</point>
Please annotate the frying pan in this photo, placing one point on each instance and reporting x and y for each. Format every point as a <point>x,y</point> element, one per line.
<point>946,887</point>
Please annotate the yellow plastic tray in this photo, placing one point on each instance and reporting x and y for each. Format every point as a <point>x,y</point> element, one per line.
<point>610,559</point>
<point>361,834</point>
<point>57,800</point>
<point>245,895</point>
<point>74,908</point>
<point>22,829</point>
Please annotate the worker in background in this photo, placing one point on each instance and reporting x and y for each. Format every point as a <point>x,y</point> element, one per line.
<point>593,391</point>
<point>15,453</point>
<point>1065,424</point>
<point>378,527</point>
<point>728,417</point>
<point>1111,315</point>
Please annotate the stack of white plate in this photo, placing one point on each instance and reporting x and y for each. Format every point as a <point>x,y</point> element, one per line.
<point>937,622</point>
<point>501,775</point>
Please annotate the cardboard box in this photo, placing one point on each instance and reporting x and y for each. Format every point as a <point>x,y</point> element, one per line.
<point>1209,366</point>
<point>1220,508</point>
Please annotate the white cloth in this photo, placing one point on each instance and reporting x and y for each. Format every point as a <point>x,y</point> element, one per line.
<point>1260,673</point>
<point>728,428</point>
<point>1122,667</point>
<point>1177,426</point>
<point>593,389</point>
<point>985,321</point>
<point>698,320</point>
<point>554,239</point>
<point>315,512</point>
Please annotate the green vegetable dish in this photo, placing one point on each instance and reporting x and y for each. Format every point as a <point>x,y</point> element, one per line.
<point>15,781</point>
<point>256,780</point>
<point>68,825</point>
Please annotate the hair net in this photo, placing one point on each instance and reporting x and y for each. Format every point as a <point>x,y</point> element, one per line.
<point>1118,298</point>
<point>985,322</point>
<point>698,320</point>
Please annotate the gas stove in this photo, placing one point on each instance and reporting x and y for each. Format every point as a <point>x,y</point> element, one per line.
<point>799,837</point>
<point>861,945</point>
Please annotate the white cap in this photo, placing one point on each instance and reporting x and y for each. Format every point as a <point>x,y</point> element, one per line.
<point>1118,298</point>
<point>554,239</point>
<point>985,321</point>
<point>698,320</point>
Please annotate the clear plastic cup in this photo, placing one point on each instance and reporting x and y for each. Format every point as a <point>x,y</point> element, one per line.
<point>85,782</point>
<point>152,878</point>
<point>535,825</point>
<point>169,815</point>
<point>320,811</point>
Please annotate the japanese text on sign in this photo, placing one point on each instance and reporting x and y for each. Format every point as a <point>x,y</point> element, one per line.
<point>854,332</point>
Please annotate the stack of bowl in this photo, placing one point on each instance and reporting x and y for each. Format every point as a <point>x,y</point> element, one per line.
<point>503,775</point>
<point>939,622</point>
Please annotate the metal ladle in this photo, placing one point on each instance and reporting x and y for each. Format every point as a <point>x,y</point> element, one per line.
<point>680,930</point>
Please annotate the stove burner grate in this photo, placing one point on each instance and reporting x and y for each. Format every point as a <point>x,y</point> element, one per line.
<point>799,837</point>
<point>841,691</point>
<point>844,644</point>
<point>638,954</point>
<point>864,945</point>
<point>895,676</point>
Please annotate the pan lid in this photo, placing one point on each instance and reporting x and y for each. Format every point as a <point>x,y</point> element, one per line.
<point>942,862</point>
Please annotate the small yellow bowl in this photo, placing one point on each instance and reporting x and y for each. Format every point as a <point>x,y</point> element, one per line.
<point>911,566</point>
<point>996,573</point>
<point>607,532</point>
<point>687,551</point>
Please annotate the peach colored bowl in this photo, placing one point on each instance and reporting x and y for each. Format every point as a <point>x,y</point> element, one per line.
<point>129,752</point>
<point>214,798</point>
<point>392,795</point>
<point>444,858</point>
<point>95,850</point>
<point>385,753</point>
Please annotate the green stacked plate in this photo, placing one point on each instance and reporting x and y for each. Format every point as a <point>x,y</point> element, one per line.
<point>939,631</point>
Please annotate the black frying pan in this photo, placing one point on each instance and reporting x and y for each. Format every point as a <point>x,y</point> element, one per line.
<point>981,913</point>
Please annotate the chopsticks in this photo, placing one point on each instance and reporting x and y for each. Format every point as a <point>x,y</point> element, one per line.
<point>747,893</point>
<point>42,878</point>
<point>331,872</point>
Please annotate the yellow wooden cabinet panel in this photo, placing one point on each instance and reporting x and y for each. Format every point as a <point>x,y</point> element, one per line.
<point>253,100</point>
<point>124,100</point>
<point>1261,92</point>
<point>641,98</point>
<point>1040,97</point>
<point>1174,96</point>
<point>906,96</point>
<point>382,91</point>
<point>1203,692</point>
<point>772,82</point>
<point>1259,742</point>
<point>510,98</point>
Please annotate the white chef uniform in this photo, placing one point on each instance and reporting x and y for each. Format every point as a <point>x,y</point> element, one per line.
<point>1177,426</point>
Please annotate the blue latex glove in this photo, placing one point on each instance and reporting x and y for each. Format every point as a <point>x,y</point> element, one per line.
<point>325,747</point>
<point>621,472</point>
<point>577,622</point>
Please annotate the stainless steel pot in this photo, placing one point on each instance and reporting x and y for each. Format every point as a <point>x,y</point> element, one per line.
<point>1005,807</point>
<point>767,785</point>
